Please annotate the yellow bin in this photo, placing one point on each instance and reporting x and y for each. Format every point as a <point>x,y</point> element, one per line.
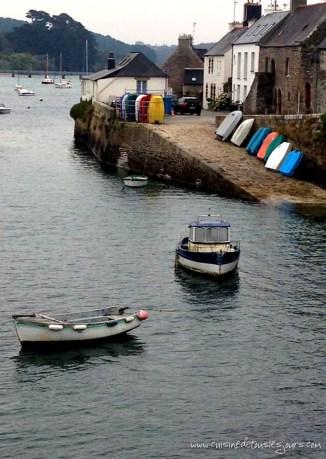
<point>156,110</point>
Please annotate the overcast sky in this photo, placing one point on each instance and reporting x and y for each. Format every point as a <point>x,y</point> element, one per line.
<point>149,21</point>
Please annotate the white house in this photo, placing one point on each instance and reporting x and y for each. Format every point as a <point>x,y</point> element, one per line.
<point>246,53</point>
<point>218,64</point>
<point>135,73</point>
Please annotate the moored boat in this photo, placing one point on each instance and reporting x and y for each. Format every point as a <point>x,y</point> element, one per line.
<point>98,324</point>
<point>4,110</point>
<point>63,84</point>
<point>135,181</point>
<point>207,248</point>
<point>26,92</point>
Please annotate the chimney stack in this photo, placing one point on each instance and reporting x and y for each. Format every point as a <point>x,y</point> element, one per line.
<point>111,61</point>
<point>251,13</point>
<point>185,41</point>
<point>296,3</point>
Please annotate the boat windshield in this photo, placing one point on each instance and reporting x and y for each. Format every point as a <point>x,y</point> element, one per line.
<point>209,235</point>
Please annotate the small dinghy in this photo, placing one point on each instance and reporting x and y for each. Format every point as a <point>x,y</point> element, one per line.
<point>208,249</point>
<point>290,162</point>
<point>266,143</point>
<point>274,144</point>
<point>135,181</point>
<point>98,324</point>
<point>277,156</point>
<point>242,132</point>
<point>257,140</point>
<point>228,125</point>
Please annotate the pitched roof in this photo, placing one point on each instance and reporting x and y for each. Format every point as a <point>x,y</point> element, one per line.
<point>133,65</point>
<point>193,77</point>
<point>322,44</point>
<point>298,26</point>
<point>225,43</point>
<point>200,52</point>
<point>261,28</point>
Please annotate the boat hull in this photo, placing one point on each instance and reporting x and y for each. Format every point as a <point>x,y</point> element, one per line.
<point>213,264</point>
<point>135,181</point>
<point>34,333</point>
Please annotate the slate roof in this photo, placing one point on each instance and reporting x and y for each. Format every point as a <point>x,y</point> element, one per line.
<point>322,44</point>
<point>262,27</point>
<point>200,52</point>
<point>135,65</point>
<point>193,77</point>
<point>225,43</point>
<point>298,26</point>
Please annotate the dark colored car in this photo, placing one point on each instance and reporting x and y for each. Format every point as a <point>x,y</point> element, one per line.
<point>188,105</point>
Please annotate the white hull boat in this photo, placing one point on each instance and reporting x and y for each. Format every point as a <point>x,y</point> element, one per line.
<point>135,181</point>
<point>26,92</point>
<point>242,132</point>
<point>4,110</point>
<point>63,84</point>
<point>98,324</point>
<point>276,157</point>
<point>208,249</point>
<point>228,125</point>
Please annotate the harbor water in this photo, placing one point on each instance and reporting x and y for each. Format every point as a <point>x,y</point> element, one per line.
<point>228,369</point>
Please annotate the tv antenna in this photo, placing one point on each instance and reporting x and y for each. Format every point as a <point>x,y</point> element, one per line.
<point>193,31</point>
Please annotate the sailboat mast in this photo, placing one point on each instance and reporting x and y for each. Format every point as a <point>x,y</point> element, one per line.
<point>86,56</point>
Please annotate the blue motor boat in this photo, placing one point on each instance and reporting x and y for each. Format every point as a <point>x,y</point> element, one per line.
<point>207,248</point>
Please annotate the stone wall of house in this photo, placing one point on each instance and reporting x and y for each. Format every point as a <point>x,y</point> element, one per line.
<point>305,134</point>
<point>321,83</point>
<point>183,57</point>
<point>299,85</point>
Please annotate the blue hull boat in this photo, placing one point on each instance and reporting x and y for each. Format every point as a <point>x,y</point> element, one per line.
<point>257,140</point>
<point>208,249</point>
<point>291,162</point>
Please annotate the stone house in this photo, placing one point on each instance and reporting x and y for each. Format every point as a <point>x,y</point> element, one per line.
<point>218,65</point>
<point>135,73</point>
<point>177,66</point>
<point>246,51</point>
<point>292,65</point>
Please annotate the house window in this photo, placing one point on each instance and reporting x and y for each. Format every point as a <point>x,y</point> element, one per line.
<point>206,91</point>
<point>239,66</point>
<point>210,65</point>
<point>238,93</point>
<point>252,62</point>
<point>141,86</point>
<point>245,66</point>
<point>218,66</point>
<point>266,64</point>
<point>213,91</point>
<point>287,67</point>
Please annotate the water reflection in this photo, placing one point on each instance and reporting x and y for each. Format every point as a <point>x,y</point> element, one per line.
<point>200,289</point>
<point>76,356</point>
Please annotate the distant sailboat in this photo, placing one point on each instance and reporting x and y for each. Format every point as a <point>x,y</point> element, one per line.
<point>62,83</point>
<point>46,79</point>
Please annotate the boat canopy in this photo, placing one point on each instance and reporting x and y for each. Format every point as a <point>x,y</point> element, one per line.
<point>209,229</point>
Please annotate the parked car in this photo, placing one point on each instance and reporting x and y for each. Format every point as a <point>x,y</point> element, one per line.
<point>188,105</point>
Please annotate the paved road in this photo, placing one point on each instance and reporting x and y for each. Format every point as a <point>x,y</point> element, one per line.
<point>195,134</point>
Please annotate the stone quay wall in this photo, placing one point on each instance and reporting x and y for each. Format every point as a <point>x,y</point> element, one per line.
<point>184,150</point>
<point>145,148</point>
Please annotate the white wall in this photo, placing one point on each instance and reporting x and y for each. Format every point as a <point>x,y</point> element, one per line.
<point>108,88</point>
<point>242,83</point>
<point>216,77</point>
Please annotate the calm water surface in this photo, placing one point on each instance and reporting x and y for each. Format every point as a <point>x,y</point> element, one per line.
<point>216,361</point>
